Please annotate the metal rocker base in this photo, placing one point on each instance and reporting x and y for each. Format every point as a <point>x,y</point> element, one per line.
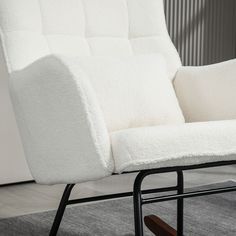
<point>154,223</point>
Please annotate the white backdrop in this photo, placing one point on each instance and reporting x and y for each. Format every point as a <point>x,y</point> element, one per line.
<point>13,167</point>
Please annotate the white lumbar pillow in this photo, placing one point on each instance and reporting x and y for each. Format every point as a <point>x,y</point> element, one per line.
<point>132,91</point>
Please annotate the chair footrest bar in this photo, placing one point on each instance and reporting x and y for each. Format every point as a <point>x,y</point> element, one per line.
<point>188,195</point>
<point>137,196</point>
<point>159,227</point>
<point>119,195</point>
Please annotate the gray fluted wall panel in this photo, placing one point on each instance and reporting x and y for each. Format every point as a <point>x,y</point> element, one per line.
<point>204,31</point>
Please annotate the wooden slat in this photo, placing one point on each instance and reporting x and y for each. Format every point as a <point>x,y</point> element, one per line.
<point>158,226</point>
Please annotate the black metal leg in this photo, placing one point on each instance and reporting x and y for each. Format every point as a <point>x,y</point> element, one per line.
<point>61,209</point>
<point>180,204</point>
<point>137,200</point>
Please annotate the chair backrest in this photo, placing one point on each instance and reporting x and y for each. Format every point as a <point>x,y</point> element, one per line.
<point>31,29</point>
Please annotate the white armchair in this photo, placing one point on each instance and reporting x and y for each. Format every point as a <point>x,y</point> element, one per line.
<point>91,83</point>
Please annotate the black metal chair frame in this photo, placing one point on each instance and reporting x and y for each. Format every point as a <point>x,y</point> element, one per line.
<point>137,193</point>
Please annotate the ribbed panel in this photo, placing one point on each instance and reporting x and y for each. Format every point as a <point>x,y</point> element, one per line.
<point>203,30</point>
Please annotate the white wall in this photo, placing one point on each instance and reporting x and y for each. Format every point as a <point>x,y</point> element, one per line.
<point>13,167</point>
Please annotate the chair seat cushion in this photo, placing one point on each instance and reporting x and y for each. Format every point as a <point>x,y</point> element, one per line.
<point>174,145</point>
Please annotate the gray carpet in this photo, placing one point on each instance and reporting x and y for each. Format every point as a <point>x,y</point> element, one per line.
<point>213,215</point>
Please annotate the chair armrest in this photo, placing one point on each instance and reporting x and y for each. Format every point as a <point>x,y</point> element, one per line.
<point>61,125</point>
<point>207,93</point>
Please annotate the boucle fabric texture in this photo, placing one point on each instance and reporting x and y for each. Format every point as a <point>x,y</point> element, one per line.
<point>32,29</point>
<point>74,121</point>
<point>132,91</point>
<point>174,145</point>
<point>207,93</point>
<point>61,124</point>
<point>61,102</point>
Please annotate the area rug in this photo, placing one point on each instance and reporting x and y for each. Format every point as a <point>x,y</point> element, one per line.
<point>213,215</point>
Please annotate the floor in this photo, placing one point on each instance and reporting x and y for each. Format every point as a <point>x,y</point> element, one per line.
<point>29,198</point>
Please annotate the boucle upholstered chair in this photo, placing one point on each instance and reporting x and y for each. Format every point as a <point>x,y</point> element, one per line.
<point>92,84</point>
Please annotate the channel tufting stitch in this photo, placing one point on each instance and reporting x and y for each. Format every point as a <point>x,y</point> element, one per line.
<point>85,28</point>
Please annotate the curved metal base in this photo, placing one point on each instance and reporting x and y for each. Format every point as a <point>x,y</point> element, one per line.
<point>137,194</point>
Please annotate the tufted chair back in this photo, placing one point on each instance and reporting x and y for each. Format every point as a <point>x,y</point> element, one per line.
<point>65,117</point>
<point>31,29</point>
